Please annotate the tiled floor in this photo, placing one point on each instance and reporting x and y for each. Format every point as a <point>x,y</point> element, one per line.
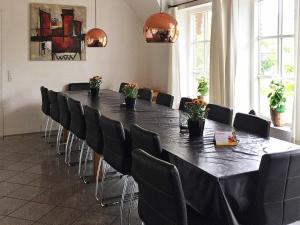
<point>36,187</point>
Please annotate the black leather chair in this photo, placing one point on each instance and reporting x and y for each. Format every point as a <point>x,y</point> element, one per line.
<point>252,112</point>
<point>161,198</point>
<point>145,94</point>
<point>45,107</point>
<point>219,113</point>
<point>145,140</point>
<point>252,124</point>
<point>77,127</point>
<point>122,85</point>
<point>64,119</point>
<point>79,87</point>
<point>276,193</point>
<point>54,109</point>
<point>183,101</point>
<point>94,139</point>
<point>116,153</point>
<point>165,99</point>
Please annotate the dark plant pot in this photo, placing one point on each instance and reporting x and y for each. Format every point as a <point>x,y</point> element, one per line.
<point>94,92</point>
<point>196,128</point>
<point>130,103</point>
<point>276,118</point>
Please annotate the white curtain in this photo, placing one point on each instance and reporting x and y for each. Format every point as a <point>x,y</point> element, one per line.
<point>296,116</point>
<point>174,67</point>
<point>223,52</point>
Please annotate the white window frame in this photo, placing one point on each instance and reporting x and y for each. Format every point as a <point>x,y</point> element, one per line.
<point>255,85</point>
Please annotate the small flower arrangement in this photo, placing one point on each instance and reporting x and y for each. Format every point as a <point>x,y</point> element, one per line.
<point>130,90</point>
<point>95,82</point>
<point>197,110</point>
<point>202,86</point>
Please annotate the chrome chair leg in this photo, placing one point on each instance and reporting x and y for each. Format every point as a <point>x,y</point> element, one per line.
<point>122,199</point>
<point>131,200</point>
<point>66,148</point>
<point>80,158</point>
<point>51,124</point>
<point>69,149</point>
<point>85,164</point>
<point>46,128</point>
<point>102,183</point>
<point>58,139</point>
<point>97,178</point>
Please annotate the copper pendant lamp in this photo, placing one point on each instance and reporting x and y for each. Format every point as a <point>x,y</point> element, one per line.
<point>161,28</point>
<point>96,37</point>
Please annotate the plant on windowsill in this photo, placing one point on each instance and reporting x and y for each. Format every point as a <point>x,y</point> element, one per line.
<point>277,102</point>
<point>130,92</point>
<point>197,113</point>
<point>202,87</point>
<point>95,83</point>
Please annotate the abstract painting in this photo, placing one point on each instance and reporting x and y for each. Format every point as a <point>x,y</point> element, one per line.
<point>57,32</point>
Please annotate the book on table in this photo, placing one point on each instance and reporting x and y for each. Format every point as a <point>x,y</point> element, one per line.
<point>225,138</point>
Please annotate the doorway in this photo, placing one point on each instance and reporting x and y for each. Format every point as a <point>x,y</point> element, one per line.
<point>1,77</point>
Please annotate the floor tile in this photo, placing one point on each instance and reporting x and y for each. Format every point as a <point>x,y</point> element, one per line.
<point>95,219</point>
<point>14,221</point>
<point>32,211</point>
<point>6,188</point>
<point>26,192</point>
<point>60,215</point>
<point>5,174</point>
<point>8,205</point>
<point>23,178</point>
<point>21,166</point>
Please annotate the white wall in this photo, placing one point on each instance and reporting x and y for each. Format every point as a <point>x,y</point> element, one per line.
<point>124,59</point>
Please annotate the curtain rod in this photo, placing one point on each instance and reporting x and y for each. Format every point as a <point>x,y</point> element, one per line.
<point>183,3</point>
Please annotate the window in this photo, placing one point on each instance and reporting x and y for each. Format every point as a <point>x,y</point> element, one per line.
<point>200,30</point>
<point>274,54</point>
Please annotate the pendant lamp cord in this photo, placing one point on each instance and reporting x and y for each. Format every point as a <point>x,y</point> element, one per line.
<point>95,14</point>
<point>161,6</point>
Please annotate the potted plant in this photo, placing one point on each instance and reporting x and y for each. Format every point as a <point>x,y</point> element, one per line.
<point>277,101</point>
<point>197,113</point>
<point>202,87</point>
<point>95,83</point>
<point>130,92</point>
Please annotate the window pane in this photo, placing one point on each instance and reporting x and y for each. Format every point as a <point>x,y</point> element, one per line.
<point>207,58</point>
<point>268,56</point>
<point>268,17</point>
<point>288,64</point>
<point>198,23</point>
<point>199,56</point>
<point>288,17</point>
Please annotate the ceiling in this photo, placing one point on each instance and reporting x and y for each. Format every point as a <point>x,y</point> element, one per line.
<point>144,8</point>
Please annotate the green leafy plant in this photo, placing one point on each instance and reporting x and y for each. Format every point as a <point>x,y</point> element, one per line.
<point>95,82</point>
<point>202,86</point>
<point>196,110</point>
<point>130,90</point>
<point>277,99</point>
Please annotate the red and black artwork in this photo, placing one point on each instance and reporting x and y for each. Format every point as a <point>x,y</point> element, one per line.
<point>57,32</point>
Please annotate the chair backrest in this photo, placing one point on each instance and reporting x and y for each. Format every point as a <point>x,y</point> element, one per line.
<point>183,101</point>
<point>45,101</point>
<point>116,145</point>
<point>145,140</point>
<point>161,198</point>
<point>64,113</point>
<point>79,87</point>
<point>122,85</point>
<point>145,94</point>
<point>94,137</point>
<point>77,125</point>
<point>278,191</point>
<point>165,99</point>
<point>219,113</point>
<point>54,108</point>
<point>252,124</point>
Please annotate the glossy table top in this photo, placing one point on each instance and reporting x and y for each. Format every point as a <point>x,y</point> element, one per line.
<point>199,152</point>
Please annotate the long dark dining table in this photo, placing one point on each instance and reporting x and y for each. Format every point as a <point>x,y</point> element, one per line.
<point>213,178</point>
